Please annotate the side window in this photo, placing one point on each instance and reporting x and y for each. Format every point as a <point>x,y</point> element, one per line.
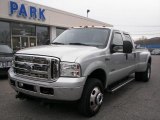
<point>117,42</point>
<point>127,37</point>
<point>117,39</point>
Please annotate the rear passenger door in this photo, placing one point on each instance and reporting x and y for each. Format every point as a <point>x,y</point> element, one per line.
<point>131,58</point>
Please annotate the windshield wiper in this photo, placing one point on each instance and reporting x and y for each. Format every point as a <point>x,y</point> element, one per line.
<point>57,43</point>
<point>79,44</point>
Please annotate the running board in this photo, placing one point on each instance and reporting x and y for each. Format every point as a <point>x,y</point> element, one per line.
<point>116,86</point>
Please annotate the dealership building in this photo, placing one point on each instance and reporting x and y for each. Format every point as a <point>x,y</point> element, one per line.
<point>25,24</point>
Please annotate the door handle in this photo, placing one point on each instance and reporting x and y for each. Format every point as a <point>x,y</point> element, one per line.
<point>126,56</point>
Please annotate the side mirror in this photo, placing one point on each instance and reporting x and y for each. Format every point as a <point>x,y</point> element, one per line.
<point>127,47</point>
<point>116,48</point>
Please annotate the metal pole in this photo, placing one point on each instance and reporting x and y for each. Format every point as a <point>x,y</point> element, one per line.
<point>88,12</point>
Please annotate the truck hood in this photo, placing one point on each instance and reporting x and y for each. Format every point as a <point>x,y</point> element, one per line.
<point>64,52</point>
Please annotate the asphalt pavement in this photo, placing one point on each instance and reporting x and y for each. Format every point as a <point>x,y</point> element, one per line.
<point>135,101</point>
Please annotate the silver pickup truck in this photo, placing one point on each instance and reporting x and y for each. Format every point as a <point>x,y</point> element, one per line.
<point>78,66</point>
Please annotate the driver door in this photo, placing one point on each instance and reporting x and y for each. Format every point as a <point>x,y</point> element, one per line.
<point>117,62</point>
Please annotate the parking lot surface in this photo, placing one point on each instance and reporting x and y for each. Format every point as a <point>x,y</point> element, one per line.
<point>135,101</point>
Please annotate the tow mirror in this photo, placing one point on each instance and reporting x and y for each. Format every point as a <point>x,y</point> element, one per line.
<point>116,48</point>
<point>127,47</point>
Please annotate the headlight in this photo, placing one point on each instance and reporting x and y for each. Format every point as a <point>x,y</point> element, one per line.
<point>70,69</point>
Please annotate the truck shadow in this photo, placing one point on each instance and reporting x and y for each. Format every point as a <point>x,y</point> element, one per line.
<point>68,110</point>
<point>3,77</point>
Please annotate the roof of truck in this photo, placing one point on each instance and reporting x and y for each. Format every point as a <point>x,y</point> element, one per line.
<point>111,28</point>
<point>93,27</point>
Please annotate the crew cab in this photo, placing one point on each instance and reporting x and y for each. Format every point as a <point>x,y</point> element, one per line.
<point>78,66</point>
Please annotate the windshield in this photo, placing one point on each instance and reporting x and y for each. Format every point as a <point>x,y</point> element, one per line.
<point>84,36</point>
<point>5,49</point>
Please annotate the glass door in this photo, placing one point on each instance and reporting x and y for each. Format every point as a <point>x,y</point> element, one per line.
<point>24,42</point>
<point>32,41</point>
<point>21,42</point>
<point>16,43</point>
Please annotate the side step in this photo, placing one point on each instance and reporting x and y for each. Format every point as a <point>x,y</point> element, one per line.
<point>119,84</point>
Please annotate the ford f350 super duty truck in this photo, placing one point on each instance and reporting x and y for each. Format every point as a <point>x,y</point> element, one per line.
<point>78,66</point>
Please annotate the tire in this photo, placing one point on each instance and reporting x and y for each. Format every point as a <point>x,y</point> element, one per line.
<point>92,97</point>
<point>144,76</point>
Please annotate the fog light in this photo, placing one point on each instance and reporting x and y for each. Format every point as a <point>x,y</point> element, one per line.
<point>20,84</point>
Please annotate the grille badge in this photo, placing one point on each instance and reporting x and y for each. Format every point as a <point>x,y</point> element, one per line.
<point>28,66</point>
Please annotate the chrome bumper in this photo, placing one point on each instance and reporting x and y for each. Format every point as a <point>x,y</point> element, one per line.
<point>68,89</point>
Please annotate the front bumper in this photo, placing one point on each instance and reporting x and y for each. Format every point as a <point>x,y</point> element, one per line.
<point>68,89</point>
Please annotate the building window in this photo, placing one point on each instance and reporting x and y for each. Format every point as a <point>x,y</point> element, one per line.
<point>23,29</point>
<point>59,31</point>
<point>23,36</point>
<point>5,33</point>
<point>42,35</point>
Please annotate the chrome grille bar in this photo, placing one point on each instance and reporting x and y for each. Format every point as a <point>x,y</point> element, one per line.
<point>46,68</point>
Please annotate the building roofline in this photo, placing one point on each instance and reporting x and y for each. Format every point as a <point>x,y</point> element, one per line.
<point>68,13</point>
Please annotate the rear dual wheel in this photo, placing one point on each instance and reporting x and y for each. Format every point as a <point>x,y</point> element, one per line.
<point>144,76</point>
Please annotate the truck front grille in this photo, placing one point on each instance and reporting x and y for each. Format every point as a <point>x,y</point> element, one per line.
<point>41,67</point>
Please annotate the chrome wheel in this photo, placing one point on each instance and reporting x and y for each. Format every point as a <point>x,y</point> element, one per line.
<point>96,98</point>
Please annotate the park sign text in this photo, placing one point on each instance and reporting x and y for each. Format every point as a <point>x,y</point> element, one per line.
<point>21,11</point>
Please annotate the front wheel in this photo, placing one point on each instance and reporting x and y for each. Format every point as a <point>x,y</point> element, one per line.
<point>144,76</point>
<point>92,97</point>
